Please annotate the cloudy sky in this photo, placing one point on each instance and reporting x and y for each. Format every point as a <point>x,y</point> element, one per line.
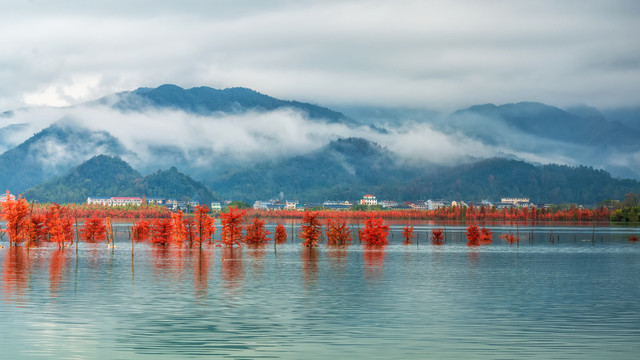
<point>431,54</point>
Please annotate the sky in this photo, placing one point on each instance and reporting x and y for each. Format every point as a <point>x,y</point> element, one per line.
<point>421,54</point>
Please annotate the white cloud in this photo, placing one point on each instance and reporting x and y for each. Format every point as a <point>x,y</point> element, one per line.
<point>439,54</point>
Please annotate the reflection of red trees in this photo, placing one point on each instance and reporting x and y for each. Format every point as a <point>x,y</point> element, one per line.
<point>232,224</point>
<point>281,234</point>
<point>437,237</point>
<point>15,272</point>
<point>231,267</point>
<point>201,273</point>
<point>338,232</point>
<point>407,234</point>
<point>93,230</point>
<point>373,262</point>
<point>56,268</point>
<point>374,232</point>
<point>309,256</point>
<point>256,233</point>
<point>310,229</point>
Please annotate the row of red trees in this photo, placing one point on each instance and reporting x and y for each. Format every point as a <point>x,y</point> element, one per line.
<point>481,213</point>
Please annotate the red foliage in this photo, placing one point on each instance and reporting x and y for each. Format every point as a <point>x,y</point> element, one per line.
<point>141,230</point>
<point>59,225</point>
<point>338,232</point>
<point>633,238</point>
<point>374,233</point>
<point>205,227</point>
<point>93,230</point>
<point>256,233</point>
<point>179,229</point>
<point>511,239</point>
<point>281,234</point>
<point>407,234</point>
<point>310,229</point>
<point>16,213</point>
<point>437,237</point>
<point>473,235</point>
<point>162,231</point>
<point>486,236</point>
<point>232,224</point>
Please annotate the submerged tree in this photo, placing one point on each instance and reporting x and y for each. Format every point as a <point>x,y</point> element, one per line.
<point>59,225</point>
<point>205,227</point>
<point>280,236</point>
<point>16,214</point>
<point>310,229</point>
<point>338,232</point>
<point>407,234</point>
<point>232,224</point>
<point>473,235</point>
<point>162,231</point>
<point>93,229</point>
<point>141,230</point>
<point>257,233</point>
<point>437,237</point>
<point>374,233</point>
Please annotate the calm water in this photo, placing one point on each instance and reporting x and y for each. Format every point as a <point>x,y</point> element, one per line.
<point>576,297</point>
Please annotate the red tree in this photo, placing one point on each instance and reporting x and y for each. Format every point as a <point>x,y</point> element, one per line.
<point>16,213</point>
<point>338,232</point>
<point>205,227</point>
<point>374,233</point>
<point>93,230</point>
<point>281,234</point>
<point>232,224</point>
<point>407,234</point>
<point>59,225</point>
<point>256,233</point>
<point>141,230</point>
<point>437,237</point>
<point>162,231</point>
<point>179,228</point>
<point>486,236</point>
<point>473,235</point>
<point>310,229</point>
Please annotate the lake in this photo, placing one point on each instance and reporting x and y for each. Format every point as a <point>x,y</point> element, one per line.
<point>563,292</point>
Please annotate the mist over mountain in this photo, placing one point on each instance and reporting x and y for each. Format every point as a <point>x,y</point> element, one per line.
<point>252,145</point>
<point>51,152</point>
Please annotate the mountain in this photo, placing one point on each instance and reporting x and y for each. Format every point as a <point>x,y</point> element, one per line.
<point>343,169</point>
<point>208,101</point>
<point>51,152</point>
<point>495,178</point>
<point>105,175</point>
<point>544,121</point>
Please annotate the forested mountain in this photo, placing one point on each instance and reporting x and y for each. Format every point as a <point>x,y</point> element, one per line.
<point>110,176</point>
<point>51,152</point>
<point>207,101</point>
<point>349,168</point>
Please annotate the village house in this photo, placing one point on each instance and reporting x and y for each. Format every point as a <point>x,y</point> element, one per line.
<point>369,200</point>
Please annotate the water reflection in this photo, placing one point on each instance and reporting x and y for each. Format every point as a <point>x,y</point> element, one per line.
<point>15,273</point>
<point>373,263</point>
<point>309,257</point>
<point>200,273</point>
<point>57,269</point>
<point>232,270</point>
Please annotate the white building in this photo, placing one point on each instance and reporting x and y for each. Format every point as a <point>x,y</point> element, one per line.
<point>369,200</point>
<point>215,206</point>
<point>434,205</point>
<point>115,201</point>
